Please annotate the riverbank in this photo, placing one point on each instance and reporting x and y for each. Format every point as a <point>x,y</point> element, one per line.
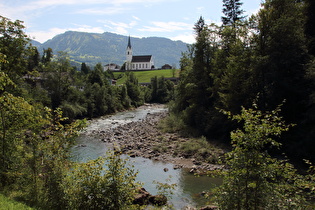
<point>142,138</point>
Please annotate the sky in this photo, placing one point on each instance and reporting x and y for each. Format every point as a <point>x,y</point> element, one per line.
<point>173,19</point>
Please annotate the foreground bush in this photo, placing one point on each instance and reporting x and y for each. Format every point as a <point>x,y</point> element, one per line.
<point>254,179</point>
<point>104,183</point>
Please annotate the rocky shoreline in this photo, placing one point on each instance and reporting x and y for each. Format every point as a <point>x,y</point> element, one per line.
<point>143,139</point>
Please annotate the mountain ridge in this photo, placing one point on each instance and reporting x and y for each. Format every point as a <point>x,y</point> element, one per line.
<point>108,47</point>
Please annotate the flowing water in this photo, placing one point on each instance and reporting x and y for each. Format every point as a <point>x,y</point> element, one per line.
<point>189,187</point>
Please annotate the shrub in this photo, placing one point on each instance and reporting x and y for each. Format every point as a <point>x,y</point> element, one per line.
<point>92,185</point>
<point>255,180</point>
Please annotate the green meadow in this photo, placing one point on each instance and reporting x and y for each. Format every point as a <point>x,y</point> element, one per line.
<point>145,76</point>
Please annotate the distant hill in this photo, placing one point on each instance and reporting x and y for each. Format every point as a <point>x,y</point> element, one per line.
<point>92,48</point>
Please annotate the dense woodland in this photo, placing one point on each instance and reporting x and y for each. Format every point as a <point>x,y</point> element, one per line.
<point>248,82</point>
<point>267,59</point>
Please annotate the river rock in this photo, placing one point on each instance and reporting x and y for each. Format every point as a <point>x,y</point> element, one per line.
<point>142,197</point>
<point>189,208</point>
<point>209,207</point>
<point>177,166</point>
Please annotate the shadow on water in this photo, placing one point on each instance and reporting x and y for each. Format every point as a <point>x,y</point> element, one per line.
<point>189,187</point>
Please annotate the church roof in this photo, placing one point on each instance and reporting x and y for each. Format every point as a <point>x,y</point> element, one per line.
<point>129,43</point>
<point>141,58</point>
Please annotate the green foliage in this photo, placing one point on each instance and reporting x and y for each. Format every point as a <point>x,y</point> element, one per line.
<point>194,95</point>
<point>165,189</point>
<point>13,43</point>
<point>162,90</point>
<point>15,118</point>
<point>172,124</point>
<point>7,203</point>
<point>282,55</point>
<point>34,150</point>
<point>133,90</point>
<point>57,79</point>
<point>93,185</point>
<point>200,149</point>
<point>254,179</point>
<point>267,55</point>
<point>232,11</point>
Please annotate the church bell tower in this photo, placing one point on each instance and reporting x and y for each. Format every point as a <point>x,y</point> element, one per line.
<point>128,55</point>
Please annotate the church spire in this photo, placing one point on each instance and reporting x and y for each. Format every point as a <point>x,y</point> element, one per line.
<point>129,43</point>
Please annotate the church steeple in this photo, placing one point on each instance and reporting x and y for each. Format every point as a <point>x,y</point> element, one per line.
<point>128,55</point>
<point>129,43</point>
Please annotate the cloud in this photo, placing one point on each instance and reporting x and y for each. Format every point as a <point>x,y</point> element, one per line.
<point>186,37</point>
<point>136,18</point>
<point>102,11</point>
<point>166,27</point>
<point>119,27</point>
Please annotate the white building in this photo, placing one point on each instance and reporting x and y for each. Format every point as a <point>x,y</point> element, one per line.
<point>139,62</point>
<point>112,67</point>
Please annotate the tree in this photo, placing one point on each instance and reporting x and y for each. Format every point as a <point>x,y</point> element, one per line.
<point>194,95</point>
<point>13,42</point>
<point>34,59</point>
<point>58,79</point>
<point>232,12</point>
<point>14,118</point>
<point>162,90</point>
<point>133,90</point>
<point>47,55</point>
<point>254,179</point>
<point>97,76</point>
<point>233,68</point>
<point>282,56</point>
<point>84,68</point>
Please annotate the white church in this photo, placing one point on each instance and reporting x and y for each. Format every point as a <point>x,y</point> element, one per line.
<point>137,62</point>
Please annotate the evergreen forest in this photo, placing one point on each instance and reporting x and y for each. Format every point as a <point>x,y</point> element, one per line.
<point>248,83</point>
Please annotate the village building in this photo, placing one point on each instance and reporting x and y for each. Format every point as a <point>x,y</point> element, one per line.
<point>112,67</point>
<point>167,66</point>
<point>137,62</point>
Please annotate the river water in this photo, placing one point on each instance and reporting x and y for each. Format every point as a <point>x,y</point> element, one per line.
<point>188,187</point>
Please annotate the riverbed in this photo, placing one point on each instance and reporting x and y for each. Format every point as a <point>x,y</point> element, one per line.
<point>189,188</point>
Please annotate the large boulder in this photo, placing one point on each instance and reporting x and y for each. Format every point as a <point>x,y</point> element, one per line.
<point>142,197</point>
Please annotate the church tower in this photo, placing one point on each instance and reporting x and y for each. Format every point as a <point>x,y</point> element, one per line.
<point>128,55</point>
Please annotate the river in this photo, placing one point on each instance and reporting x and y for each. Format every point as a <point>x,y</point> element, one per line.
<point>188,187</point>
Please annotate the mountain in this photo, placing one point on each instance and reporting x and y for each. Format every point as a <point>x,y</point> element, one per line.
<point>92,48</point>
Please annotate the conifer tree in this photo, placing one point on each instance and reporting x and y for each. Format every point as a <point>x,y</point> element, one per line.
<point>232,12</point>
<point>281,47</point>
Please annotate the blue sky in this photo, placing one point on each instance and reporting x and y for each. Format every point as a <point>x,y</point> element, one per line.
<point>172,19</point>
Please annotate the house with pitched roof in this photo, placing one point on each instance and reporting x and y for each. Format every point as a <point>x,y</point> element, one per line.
<point>137,62</point>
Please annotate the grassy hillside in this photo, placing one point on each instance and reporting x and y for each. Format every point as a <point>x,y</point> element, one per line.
<point>145,76</point>
<point>93,48</point>
<point>8,204</point>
